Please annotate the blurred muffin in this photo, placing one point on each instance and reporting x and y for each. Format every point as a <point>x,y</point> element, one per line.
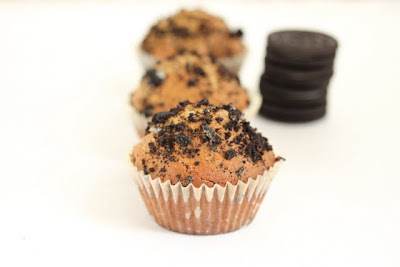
<point>186,76</point>
<point>202,169</point>
<point>193,30</point>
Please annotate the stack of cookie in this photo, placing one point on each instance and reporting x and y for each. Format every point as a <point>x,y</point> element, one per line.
<point>298,67</point>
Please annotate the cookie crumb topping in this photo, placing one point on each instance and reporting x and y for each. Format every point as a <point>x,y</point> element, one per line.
<point>187,136</point>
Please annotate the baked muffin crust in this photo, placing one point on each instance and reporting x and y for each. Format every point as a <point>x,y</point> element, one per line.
<point>193,30</point>
<point>202,144</point>
<point>187,76</point>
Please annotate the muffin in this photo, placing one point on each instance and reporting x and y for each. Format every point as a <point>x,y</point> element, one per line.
<point>193,30</point>
<point>202,169</point>
<point>188,76</point>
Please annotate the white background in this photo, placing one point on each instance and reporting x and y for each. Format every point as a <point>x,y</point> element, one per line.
<point>66,194</point>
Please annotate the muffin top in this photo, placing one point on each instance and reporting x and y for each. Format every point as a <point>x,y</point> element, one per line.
<point>194,30</point>
<point>202,144</point>
<point>187,76</point>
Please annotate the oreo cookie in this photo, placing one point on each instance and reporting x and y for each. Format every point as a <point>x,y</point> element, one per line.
<point>301,48</point>
<point>314,64</point>
<point>286,114</point>
<point>293,98</point>
<point>297,77</point>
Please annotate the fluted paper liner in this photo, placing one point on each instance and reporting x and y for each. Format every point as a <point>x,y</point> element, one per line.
<point>204,210</point>
<point>232,63</point>
<point>140,121</point>
<point>255,101</point>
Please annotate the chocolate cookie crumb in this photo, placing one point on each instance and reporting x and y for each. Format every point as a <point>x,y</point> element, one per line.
<point>152,148</point>
<point>207,120</point>
<point>148,110</point>
<point>192,82</point>
<point>236,34</point>
<point>161,117</point>
<point>199,71</point>
<point>203,102</point>
<point>180,127</point>
<point>145,167</point>
<point>188,179</point>
<point>158,32</point>
<point>155,77</point>
<point>203,28</point>
<point>180,32</point>
<point>231,153</point>
<point>239,172</point>
<point>192,117</point>
<point>219,119</point>
<point>183,140</point>
<point>206,111</point>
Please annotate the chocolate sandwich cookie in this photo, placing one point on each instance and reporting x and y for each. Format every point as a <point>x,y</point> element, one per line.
<point>286,114</point>
<point>289,97</point>
<point>301,48</point>
<point>271,57</point>
<point>297,77</point>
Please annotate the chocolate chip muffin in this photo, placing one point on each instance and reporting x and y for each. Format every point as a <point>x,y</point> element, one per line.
<point>194,30</point>
<point>187,76</point>
<point>208,158</point>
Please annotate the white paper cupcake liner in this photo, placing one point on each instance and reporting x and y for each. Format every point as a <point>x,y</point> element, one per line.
<point>204,210</point>
<point>255,100</point>
<point>232,63</point>
<point>140,121</point>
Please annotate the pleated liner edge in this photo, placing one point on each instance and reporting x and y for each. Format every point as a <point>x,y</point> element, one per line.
<point>204,210</point>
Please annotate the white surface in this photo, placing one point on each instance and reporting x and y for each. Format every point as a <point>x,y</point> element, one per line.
<point>66,195</point>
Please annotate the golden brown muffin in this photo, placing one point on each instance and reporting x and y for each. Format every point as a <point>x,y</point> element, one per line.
<point>191,77</point>
<point>202,144</point>
<point>193,30</point>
